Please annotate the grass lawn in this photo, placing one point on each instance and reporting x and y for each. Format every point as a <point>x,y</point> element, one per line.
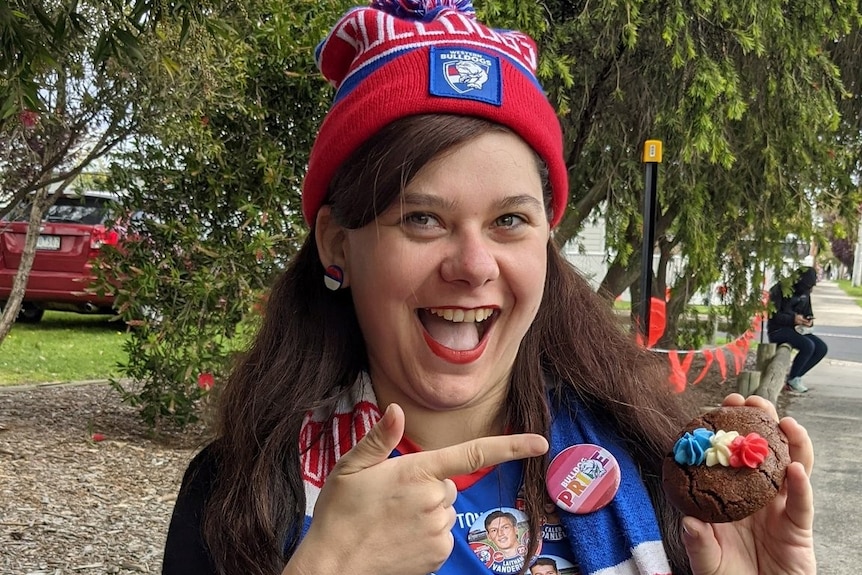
<point>62,347</point>
<point>854,292</point>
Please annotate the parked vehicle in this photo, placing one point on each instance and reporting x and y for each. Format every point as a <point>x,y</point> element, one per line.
<point>72,233</point>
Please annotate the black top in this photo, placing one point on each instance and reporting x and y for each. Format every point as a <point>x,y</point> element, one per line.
<point>798,302</point>
<point>185,550</point>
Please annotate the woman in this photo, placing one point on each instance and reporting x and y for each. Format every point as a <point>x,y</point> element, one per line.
<point>791,322</point>
<point>428,352</point>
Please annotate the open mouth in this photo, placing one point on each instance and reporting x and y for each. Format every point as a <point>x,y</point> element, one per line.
<point>453,332</point>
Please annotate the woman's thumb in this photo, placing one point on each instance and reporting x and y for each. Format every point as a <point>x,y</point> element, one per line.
<point>377,444</point>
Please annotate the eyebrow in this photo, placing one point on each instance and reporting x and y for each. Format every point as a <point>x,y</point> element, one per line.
<point>436,202</point>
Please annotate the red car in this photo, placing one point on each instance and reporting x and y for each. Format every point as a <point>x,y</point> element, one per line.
<point>72,233</point>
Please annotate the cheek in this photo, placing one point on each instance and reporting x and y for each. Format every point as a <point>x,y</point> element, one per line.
<point>385,274</point>
<point>529,280</point>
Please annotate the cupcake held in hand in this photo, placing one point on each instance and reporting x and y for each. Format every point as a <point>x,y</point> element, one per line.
<point>726,464</point>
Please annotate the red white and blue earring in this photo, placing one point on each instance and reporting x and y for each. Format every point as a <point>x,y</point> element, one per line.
<point>333,277</point>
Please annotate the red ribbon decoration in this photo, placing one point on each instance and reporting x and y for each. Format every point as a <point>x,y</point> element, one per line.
<point>678,377</point>
<point>738,351</point>
<point>708,355</point>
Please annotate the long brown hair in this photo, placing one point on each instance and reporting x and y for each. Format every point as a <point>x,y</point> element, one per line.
<point>309,350</point>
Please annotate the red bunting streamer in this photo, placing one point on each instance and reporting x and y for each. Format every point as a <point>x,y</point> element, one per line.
<point>708,355</point>
<point>722,362</point>
<point>737,348</point>
<point>679,371</point>
<point>677,376</point>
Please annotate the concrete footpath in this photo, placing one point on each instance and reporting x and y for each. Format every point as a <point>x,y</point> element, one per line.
<point>832,413</point>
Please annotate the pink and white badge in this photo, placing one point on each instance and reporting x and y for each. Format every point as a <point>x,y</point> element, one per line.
<point>583,478</point>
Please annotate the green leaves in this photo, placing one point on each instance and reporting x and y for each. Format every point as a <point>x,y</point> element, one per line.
<point>215,171</point>
<point>750,98</point>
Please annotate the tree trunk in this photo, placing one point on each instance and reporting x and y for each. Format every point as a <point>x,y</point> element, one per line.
<point>19,285</point>
<point>747,382</point>
<point>772,379</point>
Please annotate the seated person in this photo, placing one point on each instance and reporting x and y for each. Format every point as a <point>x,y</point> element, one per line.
<point>791,321</point>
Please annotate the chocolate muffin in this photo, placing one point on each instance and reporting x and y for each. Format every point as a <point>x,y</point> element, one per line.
<point>726,464</point>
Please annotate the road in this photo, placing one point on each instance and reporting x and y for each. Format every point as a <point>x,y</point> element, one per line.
<point>845,343</point>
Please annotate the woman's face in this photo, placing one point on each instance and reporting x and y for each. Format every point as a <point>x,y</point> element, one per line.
<point>448,279</point>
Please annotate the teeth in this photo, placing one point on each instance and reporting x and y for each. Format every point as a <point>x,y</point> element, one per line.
<point>463,316</point>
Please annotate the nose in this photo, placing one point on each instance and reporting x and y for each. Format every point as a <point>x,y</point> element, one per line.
<point>470,259</point>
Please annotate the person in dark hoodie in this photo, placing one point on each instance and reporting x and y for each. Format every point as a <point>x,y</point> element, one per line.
<point>791,321</point>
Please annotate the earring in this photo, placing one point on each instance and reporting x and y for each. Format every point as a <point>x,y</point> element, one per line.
<point>333,277</point>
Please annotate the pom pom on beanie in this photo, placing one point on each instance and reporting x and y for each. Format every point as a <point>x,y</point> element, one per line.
<point>422,10</point>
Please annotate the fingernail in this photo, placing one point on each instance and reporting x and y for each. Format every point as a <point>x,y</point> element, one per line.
<point>688,529</point>
<point>387,416</point>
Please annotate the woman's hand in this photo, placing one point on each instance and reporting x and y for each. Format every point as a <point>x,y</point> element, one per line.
<point>778,539</point>
<point>381,516</point>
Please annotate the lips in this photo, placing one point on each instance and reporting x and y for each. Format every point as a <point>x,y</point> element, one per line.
<point>457,335</point>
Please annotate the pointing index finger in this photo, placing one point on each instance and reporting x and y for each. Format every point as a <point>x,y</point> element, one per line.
<point>470,456</point>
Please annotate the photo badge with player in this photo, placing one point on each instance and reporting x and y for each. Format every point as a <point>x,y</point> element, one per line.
<point>500,539</point>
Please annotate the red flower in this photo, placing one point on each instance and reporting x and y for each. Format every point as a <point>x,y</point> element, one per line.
<point>748,451</point>
<point>97,437</point>
<point>29,118</point>
<point>206,381</point>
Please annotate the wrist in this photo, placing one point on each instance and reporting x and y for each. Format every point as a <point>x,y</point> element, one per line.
<point>307,559</point>
<point>314,556</point>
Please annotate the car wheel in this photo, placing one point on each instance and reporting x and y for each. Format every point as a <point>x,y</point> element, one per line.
<point>30,313</point>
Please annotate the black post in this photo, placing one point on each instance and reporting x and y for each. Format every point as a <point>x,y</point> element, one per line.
<point>652,158</point>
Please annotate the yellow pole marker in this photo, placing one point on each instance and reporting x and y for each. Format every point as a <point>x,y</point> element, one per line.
<point>652,151</point>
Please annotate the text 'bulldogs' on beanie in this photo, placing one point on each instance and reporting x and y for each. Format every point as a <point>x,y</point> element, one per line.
<point>399,58</point>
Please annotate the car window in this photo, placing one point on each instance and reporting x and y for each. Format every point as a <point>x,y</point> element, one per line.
<point>87,210</point>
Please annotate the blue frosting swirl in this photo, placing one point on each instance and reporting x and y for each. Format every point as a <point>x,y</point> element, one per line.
<point>690,449</point>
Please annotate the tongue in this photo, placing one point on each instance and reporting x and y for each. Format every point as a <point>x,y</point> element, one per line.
<point>459,336</point>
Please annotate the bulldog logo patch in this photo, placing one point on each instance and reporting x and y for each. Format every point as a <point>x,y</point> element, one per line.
<point>465,74</point>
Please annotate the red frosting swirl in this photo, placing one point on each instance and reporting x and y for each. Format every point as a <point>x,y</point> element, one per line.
<point>748,451</point>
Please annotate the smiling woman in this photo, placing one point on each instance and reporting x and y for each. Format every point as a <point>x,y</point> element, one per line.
<point>468,235</point>
<point>431,375</point>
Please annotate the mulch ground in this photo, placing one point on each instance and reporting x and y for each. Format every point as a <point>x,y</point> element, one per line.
<point>71,504</point>
<point>74,505</point>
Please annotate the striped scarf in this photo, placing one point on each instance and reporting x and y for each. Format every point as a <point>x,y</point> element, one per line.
<point>622,538</point>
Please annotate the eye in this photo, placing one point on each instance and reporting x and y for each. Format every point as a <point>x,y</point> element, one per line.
<point>510,221</point>
<point>420,220</point>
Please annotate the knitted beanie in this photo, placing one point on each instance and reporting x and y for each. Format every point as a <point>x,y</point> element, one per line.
<point>399,58</point>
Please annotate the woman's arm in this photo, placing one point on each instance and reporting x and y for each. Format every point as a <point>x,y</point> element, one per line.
<point>185,550</point>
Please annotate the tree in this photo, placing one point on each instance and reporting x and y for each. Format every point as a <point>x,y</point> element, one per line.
<point>216,172</point>
<point>66,99</point>
<point>746,98</point>
<point>743,94</point>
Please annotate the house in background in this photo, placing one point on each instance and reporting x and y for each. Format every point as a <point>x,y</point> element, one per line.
<point>588,252</point>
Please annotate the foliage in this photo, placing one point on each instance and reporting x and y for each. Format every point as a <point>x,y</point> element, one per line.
<point>843,250</point>
<point>67,98</point>
<point>215,179</point>
<point>696,331</point>
<point>748,97</point>
<point>758,106</point>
